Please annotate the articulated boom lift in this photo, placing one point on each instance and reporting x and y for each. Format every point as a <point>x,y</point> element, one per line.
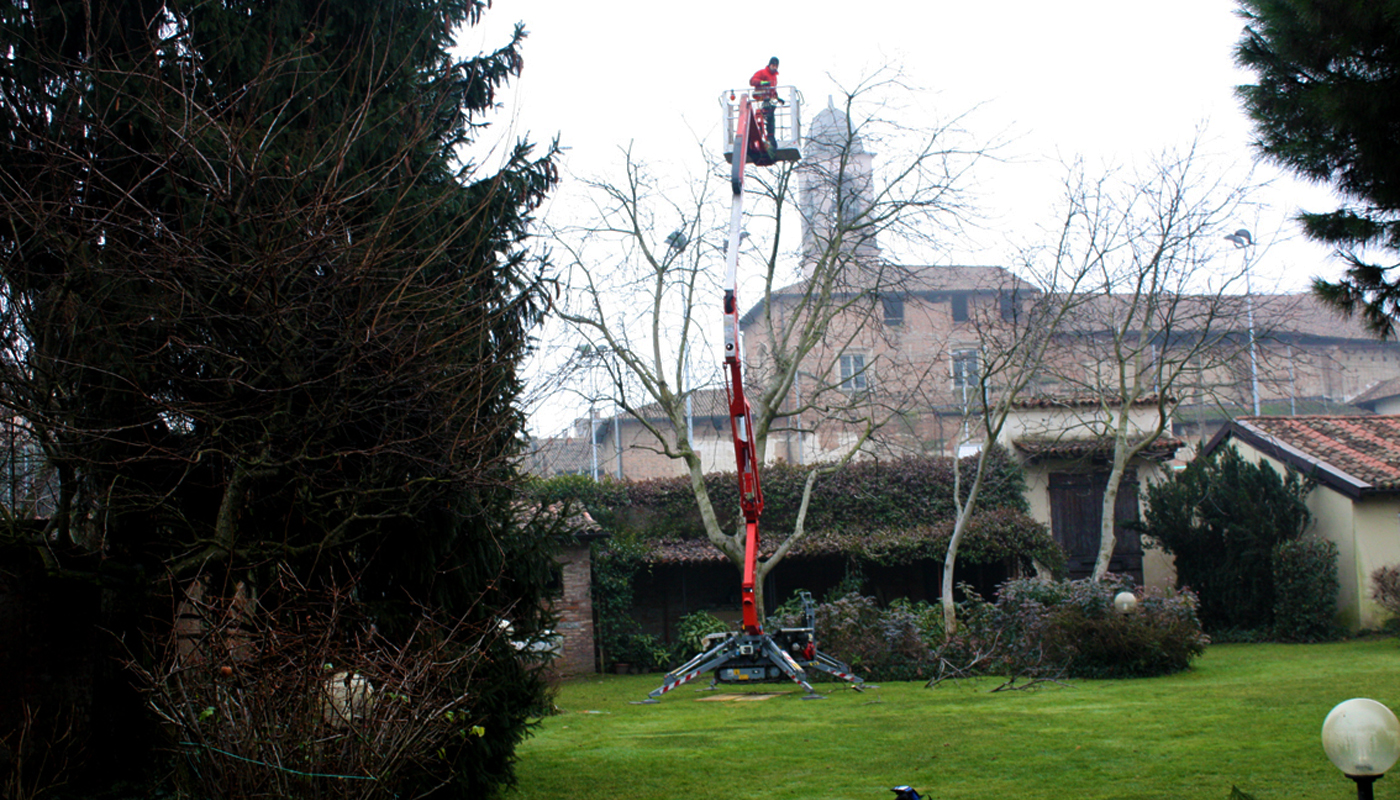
<point>759,134</point>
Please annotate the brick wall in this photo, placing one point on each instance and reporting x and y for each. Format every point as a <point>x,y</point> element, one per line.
<point>575,609</point>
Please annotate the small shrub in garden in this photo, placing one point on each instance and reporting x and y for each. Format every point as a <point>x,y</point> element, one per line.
<point>926,618</point>
<point>646,653</point>
<point>1385,590</point>
<point>848,628</point>
<point>1305,591</point>
<point>1161,637</point>
<point>693,628</point>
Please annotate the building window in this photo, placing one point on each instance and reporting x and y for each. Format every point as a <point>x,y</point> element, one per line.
<point>965,373</point>
<point>1010,305</point>
<point>960,308</point>
<point>893,306</point>
<point>853,375</point>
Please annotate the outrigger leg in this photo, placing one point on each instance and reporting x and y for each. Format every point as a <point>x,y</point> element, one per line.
<point>741,653</point>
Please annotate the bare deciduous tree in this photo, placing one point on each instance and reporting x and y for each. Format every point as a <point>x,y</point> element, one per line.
<point>652,296</point>
<point>1156,306</point>
<point>1016,337</point>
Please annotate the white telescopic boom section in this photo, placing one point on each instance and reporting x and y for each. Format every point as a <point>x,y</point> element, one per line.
<point>736,235</point>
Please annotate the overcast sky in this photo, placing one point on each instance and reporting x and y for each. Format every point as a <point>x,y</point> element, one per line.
<point>1115,82</point>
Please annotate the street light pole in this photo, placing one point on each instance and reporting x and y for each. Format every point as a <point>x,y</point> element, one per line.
<point>1242,239</point>
<point>593,440</point>
<point>1253,357</point>
<point>589,354</point>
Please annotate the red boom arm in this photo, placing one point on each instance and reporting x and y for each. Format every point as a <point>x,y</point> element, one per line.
<point>740,417</point>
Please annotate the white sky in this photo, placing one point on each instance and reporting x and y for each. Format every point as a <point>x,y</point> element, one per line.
<point>1115,82</point>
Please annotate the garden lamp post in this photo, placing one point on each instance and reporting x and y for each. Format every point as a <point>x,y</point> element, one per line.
<point>1362,738</point>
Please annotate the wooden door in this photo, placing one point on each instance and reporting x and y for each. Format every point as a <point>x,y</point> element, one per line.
<point>1076,511</point>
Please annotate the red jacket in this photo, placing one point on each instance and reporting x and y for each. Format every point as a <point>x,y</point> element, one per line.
<point>767,74</point>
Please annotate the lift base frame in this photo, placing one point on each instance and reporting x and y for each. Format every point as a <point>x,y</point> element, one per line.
<point>746,658</point>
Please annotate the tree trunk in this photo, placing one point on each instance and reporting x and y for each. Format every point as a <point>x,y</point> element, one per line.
<point>1108,538</point>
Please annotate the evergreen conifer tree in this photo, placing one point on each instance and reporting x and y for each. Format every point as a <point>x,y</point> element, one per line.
<point>258,315</point>
<point>1221,519</point>
<point>1327,106</point>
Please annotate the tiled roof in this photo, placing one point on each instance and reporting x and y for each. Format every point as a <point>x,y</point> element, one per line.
<point>1163,448</point>
<point>703,403</point>
<point>1290,316</point>
<point>1276,316</point>
<point>1306,315</point>
<point>1083,401</point>
<point>1354,455</point>
<point>931,278</point>
<point>1380,391</point>
<point>912,280</point>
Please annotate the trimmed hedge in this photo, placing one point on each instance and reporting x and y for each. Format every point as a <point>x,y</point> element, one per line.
<point>885,512</point>
<point>883,495</point>
<point>992,536</point>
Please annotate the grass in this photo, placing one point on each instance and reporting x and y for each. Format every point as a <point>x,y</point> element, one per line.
<point>1246,715</point>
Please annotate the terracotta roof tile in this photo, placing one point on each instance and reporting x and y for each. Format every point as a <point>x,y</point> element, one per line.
<point>1084,401</point>
<point>703,403</point>
<point>1163,448</point>
<point>1366,449</point>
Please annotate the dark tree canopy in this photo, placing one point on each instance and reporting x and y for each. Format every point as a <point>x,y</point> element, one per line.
<point>1222,519</point>
<point>256,313</point>
<point>1327,106</point>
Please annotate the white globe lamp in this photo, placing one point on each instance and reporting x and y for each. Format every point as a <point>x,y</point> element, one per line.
<point>1362,738</point>
<point>1125,602</point>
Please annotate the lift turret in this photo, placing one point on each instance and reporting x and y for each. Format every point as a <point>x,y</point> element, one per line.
<point>763,126</point>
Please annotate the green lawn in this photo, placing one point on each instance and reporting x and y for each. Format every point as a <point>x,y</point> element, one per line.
<point>1247,715</point>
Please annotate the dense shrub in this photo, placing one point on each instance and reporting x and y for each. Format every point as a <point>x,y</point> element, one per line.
<point>693,628</point>
<point>1052,629</point>
<point>1222,518</point>
<point>905,507</point>
<point>1305,591</point>
<point>1036,629</point>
